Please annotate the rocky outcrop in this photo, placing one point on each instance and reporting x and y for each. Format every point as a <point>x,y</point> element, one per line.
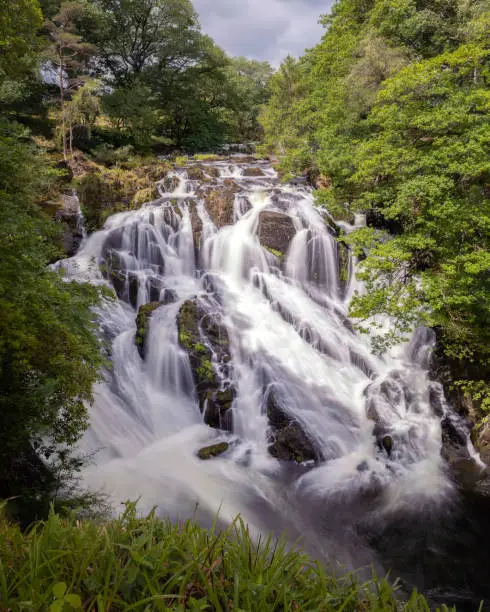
<point>276,230</point>
<point>69,215</point>
<point>287,438</point>
<point>143,326</point>
<point>219,202</point>
<point>253,171</point>
<point>206,341</point>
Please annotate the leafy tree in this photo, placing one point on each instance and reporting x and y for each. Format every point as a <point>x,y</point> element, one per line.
<point>82,111</point>
<point>19,22</point>
<point>133,35</point>
<point>68,54</point>
<point>247,82</point>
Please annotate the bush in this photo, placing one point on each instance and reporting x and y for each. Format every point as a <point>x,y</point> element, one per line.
<point>109,156</point>
<point>149,564</point>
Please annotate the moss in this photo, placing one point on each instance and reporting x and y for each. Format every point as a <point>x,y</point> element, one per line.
<point>344,261</point>
<point>207,157</point>
<point>213,451</point>
<point>145,195</point>
<point>225,398</point>
<point>143,325</point>
<point>276,253</point>
<point>205,371</point>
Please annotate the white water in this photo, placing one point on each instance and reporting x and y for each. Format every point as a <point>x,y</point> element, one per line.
<point>289,336</point>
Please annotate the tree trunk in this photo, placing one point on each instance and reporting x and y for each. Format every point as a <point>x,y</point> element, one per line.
<point>62,105</point>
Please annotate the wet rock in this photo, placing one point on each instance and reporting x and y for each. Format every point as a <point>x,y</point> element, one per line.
<point>206,341</point>
<point>288,441</point>
<point>276,230</point>
<point>143,326</point>
<point>437,399</point>
<point>170,183</point>
<point>292,444</point>
<point>253,171</point>
<point>219,203</point>
<point>196,173</point>
<point>482,442</point>
<point>69,215</point>
<point>387,444</point>
<point>209,452</point>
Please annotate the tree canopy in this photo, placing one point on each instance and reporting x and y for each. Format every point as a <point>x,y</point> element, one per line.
<point>392,110</point>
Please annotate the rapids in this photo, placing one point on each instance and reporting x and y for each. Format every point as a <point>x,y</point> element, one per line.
<point>289,332</point>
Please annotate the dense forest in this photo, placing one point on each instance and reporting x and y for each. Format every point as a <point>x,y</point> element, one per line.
<point>389,116</point>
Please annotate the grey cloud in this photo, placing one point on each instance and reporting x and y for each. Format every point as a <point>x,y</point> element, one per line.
<point>263,29</point>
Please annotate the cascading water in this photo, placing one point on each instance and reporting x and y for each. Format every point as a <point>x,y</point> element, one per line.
<point>372,430</point>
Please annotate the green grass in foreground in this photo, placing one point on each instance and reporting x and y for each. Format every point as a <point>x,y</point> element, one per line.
<point>149,564</point>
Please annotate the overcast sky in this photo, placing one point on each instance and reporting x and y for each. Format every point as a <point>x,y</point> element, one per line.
<point>263,29</point>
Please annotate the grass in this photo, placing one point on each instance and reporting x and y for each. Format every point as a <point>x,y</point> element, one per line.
<point>148,564</point>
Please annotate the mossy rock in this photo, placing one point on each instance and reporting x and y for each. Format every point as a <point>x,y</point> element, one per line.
<point>201,336</point>
<point>143,196</point>
<point>253,171</point>
<point>219,203</point>
<point>170,184</point>
<point>196,173</point>
<point>210,452</point>
<point>143,325</point>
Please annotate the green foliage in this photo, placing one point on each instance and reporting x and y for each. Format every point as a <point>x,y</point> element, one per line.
<point>146,564</point>
<point>49,353</point>
<point>393,108</point>
<point>19,24</point>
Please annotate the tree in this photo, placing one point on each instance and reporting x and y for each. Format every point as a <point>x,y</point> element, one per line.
<point>82,110</point>
<point>68,53</point>
<point>19,46</point>
<point>248,82</point>
<point>133,35</point>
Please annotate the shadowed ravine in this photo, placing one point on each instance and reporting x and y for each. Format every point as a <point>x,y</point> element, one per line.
<point>268,287</point>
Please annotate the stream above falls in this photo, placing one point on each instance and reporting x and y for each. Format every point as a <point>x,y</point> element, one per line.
<point>230,328</point>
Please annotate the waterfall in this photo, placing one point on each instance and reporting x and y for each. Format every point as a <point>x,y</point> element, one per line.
<point>371,422</point>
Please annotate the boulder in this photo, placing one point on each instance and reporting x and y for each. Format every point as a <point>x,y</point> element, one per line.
<point>207,344</point>
<point>170,183</point>
<point>197,173</point>
<point>209,452</point>
<point>143,326</point>
<point>253,171</point>
<point>276,230</point>
<point>287,439</point>
<point>219,203</point>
